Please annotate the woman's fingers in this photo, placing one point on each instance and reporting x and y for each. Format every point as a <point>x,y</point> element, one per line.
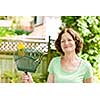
<point>27,78</point>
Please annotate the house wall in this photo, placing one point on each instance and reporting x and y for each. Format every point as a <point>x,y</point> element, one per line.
<point>50,27</point>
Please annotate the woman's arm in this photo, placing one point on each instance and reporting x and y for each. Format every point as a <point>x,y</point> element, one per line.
<point>50,78</point>
<point>89,80</point>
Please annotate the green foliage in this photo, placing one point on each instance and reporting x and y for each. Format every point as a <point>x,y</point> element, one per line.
<point>89,29</point>
<point>41,73</point>
<point>21,32</point>
<point>11,77</point>
<point>39,77</point>
<point>3,17</point>
<point>6,32</point>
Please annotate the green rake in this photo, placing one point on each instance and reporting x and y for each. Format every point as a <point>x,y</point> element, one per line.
<point>29,62</point>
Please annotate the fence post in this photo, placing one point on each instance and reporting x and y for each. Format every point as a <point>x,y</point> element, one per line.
<point>49,51</point>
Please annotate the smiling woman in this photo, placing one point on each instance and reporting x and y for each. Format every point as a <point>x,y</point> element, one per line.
<point>69,68</point>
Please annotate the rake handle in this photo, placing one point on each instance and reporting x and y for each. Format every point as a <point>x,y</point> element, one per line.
<point>26,73</point>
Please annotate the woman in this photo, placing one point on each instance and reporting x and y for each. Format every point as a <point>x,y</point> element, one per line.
<point>69,68</point>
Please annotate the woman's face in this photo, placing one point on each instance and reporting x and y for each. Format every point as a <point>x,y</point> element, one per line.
<point>67,43</point>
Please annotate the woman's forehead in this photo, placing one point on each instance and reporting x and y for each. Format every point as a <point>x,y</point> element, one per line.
<point>66,35</point>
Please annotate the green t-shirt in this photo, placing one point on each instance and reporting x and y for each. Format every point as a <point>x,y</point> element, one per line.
<point>60,76</point>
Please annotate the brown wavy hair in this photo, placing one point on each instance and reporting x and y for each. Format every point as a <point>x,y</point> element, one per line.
<point>76,37</point>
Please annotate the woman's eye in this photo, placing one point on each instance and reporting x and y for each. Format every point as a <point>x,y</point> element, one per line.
<point>69,40</point>
<point>62,40</point>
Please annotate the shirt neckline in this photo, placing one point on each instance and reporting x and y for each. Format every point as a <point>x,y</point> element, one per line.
<point>69,72</point>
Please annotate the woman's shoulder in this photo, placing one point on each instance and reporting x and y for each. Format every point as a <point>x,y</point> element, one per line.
<point>85,63</point>
<point>56,58</point>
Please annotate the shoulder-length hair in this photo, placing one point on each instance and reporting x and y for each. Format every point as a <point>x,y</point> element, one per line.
<point>76,37</point>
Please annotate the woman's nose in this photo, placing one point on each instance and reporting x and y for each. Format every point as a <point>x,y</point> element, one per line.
<point>66,42</point>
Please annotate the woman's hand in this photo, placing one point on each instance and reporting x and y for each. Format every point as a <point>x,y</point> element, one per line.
<point>27,78</point>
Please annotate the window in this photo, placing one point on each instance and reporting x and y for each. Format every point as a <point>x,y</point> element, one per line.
<point>38,20</point>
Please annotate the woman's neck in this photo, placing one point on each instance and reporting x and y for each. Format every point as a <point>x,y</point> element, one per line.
<point>70,57</point>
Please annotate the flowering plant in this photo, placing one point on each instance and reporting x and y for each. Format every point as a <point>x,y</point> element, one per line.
<point>21,49</point>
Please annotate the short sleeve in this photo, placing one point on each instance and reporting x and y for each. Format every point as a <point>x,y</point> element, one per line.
<point>51,67</point>
<point>89,71</point>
